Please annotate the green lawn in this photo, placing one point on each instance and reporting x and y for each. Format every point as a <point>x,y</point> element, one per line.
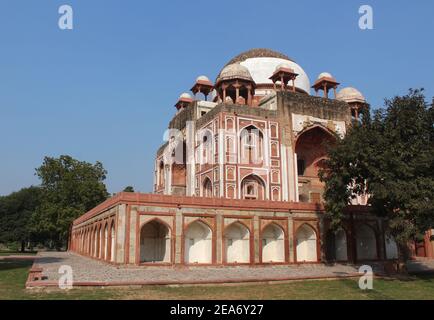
<point>13,275</point>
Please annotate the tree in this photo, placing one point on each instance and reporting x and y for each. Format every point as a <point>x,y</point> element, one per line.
<point>129,189</point>
<point>16,210</point>
<point>390,157</point>
<point>70,188</point>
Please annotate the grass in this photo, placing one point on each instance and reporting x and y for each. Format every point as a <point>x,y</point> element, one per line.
<point>13,275</point>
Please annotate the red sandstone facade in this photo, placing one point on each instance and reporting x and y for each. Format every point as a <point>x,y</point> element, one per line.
<point>237,180</point>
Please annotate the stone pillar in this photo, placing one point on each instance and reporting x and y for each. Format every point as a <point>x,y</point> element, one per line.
<point>256,238</point>
<point>178,236</point>
<point>291,239</point>
<point>120,237</point>
<point>219,238</point>
<point>133,236</point>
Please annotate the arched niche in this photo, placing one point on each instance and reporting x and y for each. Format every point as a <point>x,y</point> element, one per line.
<point>237,243</point>
<point>207,188</point>
<point>253,188</point>
<point>391,247</point>
<point>306,244</point>
<point>273,243</point>
<point>251,145</point>
<point>366,243</point>
<point>311,149</point>
<point>198,243</point>
<point>155,242</point>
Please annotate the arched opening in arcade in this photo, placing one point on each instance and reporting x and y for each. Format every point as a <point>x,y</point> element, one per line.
<point>237,243</point>
<point>337,247</point>
<point>273,243</point>
<point>306,244</point>
<point>391,247</point>
<point>366,243</point>
<point>155,243</point>
<point>198,243</point>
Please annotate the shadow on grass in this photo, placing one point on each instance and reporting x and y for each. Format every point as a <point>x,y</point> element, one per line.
<point>15,264</point>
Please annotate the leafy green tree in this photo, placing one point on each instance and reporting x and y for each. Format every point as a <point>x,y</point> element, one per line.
<point>389,156</point>
<point>129,189</point>
<point>70,188</point>
<point>16,210</point>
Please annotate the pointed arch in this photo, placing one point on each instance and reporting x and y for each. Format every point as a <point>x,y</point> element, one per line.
<point>310,148</point>
<point>366,242</point>
<point>253,187</point>
<point>272,243</point>
<point>155,242</point>
<point>251,142</point>
<point>237,239</point>
<point>306,239</point>
<point>207,189</point>
<point>198,243</point>
<point>391,247</point>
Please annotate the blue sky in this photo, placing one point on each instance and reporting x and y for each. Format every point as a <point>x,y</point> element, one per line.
<point>105,90</point>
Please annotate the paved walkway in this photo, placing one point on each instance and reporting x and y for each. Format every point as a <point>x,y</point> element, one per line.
<point>89,272</point>
<point>420,266</point>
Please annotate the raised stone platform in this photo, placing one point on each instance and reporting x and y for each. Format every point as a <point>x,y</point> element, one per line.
<point>90,272</point>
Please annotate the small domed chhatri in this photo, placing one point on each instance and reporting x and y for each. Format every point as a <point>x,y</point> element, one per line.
<point>202,85</point>
<point>185,95</point>
<point>184,101</point>
<point>350,94</point>
<point>325,82</point>
<point>235,81</point>
<point>355,99</point>
<point>202,78</point>
<point>234,71</point>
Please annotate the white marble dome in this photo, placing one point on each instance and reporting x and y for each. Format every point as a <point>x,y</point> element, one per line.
<point>350,94</point>
<point>262,63</point>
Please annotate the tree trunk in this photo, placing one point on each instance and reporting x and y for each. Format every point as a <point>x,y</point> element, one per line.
<point>23,245</point>
<point>403,256</point>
